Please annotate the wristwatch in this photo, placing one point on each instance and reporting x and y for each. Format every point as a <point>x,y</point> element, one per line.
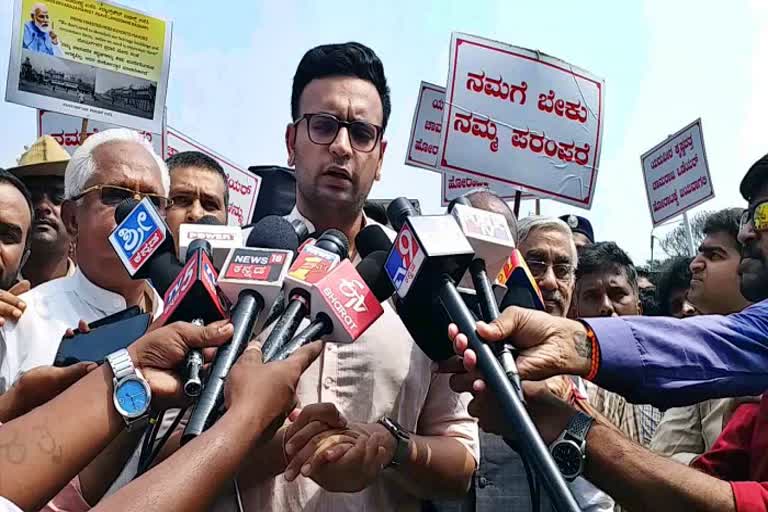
<point>402,441</point>
<point>131,394</point>
<point>569,450</point>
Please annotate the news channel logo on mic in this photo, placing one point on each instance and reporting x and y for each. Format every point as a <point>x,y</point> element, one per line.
<point>137,237</point>
<point>404,261</point>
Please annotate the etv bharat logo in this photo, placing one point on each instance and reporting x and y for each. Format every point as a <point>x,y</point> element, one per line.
<point>352,289</point>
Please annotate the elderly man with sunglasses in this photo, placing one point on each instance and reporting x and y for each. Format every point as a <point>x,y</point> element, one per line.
<point>110,166</point>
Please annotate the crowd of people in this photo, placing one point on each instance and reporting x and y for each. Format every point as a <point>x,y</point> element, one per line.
<point>662,369</point>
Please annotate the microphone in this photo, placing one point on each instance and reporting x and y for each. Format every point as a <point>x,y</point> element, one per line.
<point>416,268</point>
<point>429,255</point>
<point>195,297</point>
<point>144,244</point>
<point>372,238</point>
<point>221,238</point>
<point>313,263</point>
<point>487,232</point>
<point>252,277</point>
<point>340,321</point>
<point>521,287</point>
<point>301,230</point>
<point>491,239</point>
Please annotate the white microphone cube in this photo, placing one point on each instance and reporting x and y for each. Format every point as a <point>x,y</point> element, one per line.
<point>221,238</point>
<point>489,235</point>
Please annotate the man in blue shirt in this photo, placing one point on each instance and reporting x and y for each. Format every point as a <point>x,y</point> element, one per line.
<point>662,361</point>
<point>38,32</point>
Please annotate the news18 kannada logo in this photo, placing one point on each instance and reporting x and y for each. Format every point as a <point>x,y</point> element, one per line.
<point>255,265</point>
<point>138,236</point>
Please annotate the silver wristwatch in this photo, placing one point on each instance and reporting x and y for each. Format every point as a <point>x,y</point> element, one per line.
<point>131,394</point>
<point>570,449</point>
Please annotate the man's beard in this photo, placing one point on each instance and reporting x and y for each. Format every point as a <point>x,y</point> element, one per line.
<point>43,28</point>
<point>754,284</point>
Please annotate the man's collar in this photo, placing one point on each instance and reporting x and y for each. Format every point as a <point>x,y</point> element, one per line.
<point>296,214</point>
<point>104,299</point>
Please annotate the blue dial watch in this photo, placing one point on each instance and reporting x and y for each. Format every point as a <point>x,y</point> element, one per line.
<point>132,395</point>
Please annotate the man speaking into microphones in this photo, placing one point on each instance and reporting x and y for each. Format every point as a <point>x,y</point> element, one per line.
<point>381,383</point>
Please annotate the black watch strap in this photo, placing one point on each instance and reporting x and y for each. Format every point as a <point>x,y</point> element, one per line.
<point>579,425</point>
<point>402,441</point>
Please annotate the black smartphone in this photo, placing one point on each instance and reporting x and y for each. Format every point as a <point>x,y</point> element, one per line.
<point>114,317</point>
<point>97,344</point>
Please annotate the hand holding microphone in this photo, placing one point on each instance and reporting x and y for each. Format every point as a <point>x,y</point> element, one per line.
<point>253,278</point>
<point>429,256</point>
<point>491,239</point>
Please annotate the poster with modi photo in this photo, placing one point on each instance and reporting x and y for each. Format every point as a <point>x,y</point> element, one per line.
<point>92,59</point>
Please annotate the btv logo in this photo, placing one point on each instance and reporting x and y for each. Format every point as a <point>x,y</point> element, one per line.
<point>353,291</point>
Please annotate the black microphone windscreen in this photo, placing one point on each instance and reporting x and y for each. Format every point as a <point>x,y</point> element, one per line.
<point>428,326</point>
<point>199,244</point>
<point>209,220</point>
<point>124,208</point>
<point>372,238</point>
<point>301,229</point>
<point>163,270</point>
<point>459,200</point>
<point>273,232</point>
<point>334,241</point>
<point>371,269</point>
<point>398,210</point>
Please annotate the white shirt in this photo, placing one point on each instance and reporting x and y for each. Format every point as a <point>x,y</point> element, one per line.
<point>52,308</point>
<point>7,506</point>
<point>383,373</point>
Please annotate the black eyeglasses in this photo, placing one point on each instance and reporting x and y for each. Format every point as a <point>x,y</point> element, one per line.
<point>322,129</point>
<point>112,195</point>
<point>563,271</point>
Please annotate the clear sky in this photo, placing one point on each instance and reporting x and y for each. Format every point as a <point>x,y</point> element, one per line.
<point>665,64</point>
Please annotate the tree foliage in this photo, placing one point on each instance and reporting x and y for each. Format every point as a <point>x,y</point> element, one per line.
<point>675,243</point>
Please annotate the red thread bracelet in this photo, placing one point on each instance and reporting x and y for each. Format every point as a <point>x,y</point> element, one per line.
<point>595,362</point>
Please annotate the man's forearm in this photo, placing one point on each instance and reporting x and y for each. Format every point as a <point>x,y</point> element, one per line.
<point>711,357</point>
<point>96,479</point>
<point>9,406</point>
<point>265,461</point>
<point>43,450</point>
<point>641,480</point>
<point>438,467</point>
<point>193,476</point>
